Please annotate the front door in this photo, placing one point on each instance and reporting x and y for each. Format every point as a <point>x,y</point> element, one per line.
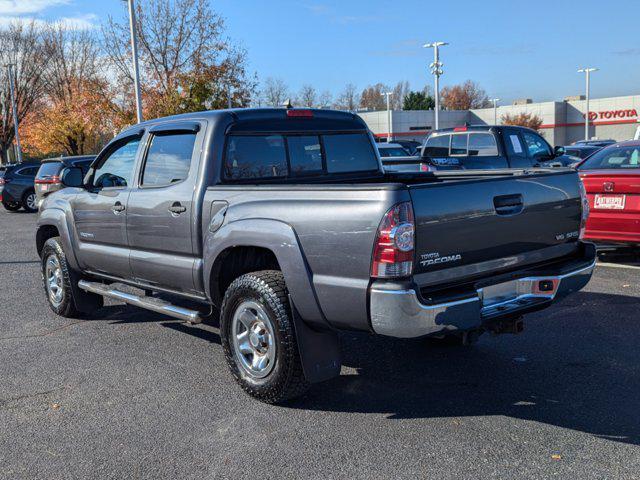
<point>161,209</point>
<point>100,212</point>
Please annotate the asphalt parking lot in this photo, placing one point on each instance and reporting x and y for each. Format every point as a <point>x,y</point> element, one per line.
<point>132,394</point>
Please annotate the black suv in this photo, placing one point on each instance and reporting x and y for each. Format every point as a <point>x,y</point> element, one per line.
<point>48,179</point>
<point>17,187</point>
<point>489,147</point>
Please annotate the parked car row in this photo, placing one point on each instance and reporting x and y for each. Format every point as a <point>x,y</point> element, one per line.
<point>25,185</point>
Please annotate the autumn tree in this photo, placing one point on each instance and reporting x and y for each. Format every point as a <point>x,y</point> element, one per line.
<point>348,98</point>
<point>186,62</point>
<point>372,97</point>
<point>466,96</point>
<point>522,119</point>
<point>24,48</point>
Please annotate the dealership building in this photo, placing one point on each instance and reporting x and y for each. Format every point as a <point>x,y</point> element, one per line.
<point>562,122</point>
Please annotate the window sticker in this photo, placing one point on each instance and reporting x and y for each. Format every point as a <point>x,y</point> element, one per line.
<point>515,141</point>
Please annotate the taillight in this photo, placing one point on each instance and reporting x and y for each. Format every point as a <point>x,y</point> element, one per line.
<point>585,209</point>
<point>424,167</point>
<point>299,113</point>
<point>54,179</point>
<point>394,246</point>
<point>1,181</point>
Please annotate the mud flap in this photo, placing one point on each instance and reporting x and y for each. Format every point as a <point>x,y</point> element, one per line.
<point>85,302</point>
<point>319,350</point>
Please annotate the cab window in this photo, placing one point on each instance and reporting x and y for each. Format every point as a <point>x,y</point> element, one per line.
<point>437,146</point>
<point>482,145</point>
<point>537,147</point>
<point>116,170</point>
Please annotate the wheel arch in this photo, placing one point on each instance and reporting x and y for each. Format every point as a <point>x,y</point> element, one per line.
<point>51,223</point>
<point>261,241</point>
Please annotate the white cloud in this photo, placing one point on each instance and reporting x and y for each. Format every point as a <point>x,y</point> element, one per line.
<point>20,7</point>
<point>80,22</point>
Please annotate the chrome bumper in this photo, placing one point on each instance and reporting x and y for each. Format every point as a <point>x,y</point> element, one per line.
<point>399,313</point>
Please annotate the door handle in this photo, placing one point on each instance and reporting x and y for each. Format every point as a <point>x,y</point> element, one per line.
<point>177,208</point>
<point>118,207</point>
<point>508,204</point>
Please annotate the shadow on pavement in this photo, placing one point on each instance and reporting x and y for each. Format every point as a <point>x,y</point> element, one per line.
<point>576,367</point>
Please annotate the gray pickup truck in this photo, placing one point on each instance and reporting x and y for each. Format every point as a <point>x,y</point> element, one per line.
<point>283,224</point>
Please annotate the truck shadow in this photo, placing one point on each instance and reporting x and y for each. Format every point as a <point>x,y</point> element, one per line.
<point>576,366</point>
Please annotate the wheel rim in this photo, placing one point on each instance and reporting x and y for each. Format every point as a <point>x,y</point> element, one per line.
<point>54,280</point>
<point>253,339</point>
<point>31,201</point>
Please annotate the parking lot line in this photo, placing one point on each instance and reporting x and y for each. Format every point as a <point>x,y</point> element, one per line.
<point>618,265</point>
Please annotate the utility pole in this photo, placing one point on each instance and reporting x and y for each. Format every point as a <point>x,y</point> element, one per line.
<point>436,70</point>
<point>389,126</point>
<point>134,54</point>
<point>14,108</point>
<point>587,71</point>
<point>495,110</point>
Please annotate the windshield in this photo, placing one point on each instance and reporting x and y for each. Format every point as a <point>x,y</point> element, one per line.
<point>613,158</point>
<point>393,152</point>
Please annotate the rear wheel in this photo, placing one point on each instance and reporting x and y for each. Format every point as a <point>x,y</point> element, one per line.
<point>29,201</point>
<point>11,206</point>
<point>258,337</point>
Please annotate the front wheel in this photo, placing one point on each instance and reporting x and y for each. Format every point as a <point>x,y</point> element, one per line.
<point>258,337</point>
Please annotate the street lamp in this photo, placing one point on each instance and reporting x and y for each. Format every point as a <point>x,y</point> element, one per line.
<point>436,70</point>
<point>495,110</point>
<point>134,54</point>
<point>587,71</point>
<point>389,126</point>
<point>14,108</point>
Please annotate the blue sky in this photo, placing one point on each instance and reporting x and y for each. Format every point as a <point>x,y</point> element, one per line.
<point>513,49</point>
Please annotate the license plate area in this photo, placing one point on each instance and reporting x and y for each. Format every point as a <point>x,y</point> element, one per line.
<point>610,202</point>
<point>499,293</point>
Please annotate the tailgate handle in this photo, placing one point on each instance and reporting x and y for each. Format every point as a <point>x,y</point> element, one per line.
<point>508,204</point>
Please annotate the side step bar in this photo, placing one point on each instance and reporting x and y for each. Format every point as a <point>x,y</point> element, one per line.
<point>150,303</point>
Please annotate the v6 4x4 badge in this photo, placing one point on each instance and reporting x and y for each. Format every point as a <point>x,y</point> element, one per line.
<point>434,258</point>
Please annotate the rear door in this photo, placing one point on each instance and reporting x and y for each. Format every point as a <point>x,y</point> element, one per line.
<point>161,210</point>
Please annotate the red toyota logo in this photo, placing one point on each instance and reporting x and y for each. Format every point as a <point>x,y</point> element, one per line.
<point>609,186</point>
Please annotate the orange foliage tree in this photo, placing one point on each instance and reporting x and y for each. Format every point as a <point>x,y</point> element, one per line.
<point>464,97</point>
<point>78,125</point>
<point>522,119</point>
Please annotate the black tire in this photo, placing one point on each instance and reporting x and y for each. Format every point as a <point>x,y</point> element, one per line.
<point>11,206</point>
<point>265,289</point>
<point>71,295</point>
<point>29,200</point>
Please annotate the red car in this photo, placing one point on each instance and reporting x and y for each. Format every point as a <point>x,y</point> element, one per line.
<point>611,177</point>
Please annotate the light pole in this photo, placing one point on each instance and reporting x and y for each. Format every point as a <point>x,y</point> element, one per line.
<point>389,126</point>
<point>14,108</point>
<point>134,54</point>
<point>436,70</point>
<point>587,71</point>
<point>495,110</point>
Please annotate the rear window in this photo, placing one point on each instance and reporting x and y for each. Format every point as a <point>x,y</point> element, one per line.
<point>279,156</point>
<point>28,171</point>
<point>482,145</point>
<point>49,169</point>
<point>393,152</point>
<point>613,158</point>
<point>437,146</point>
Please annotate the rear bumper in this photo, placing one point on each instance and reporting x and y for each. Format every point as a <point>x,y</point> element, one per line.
<point>399,312</point>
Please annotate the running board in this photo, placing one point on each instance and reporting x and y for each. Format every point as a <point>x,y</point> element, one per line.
<point>150,303</point>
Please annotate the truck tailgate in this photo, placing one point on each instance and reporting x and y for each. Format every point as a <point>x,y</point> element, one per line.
<point>469,227</point>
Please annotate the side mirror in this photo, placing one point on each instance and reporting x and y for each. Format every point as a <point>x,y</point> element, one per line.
<point>72,177</point>
<point>559,151</point>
